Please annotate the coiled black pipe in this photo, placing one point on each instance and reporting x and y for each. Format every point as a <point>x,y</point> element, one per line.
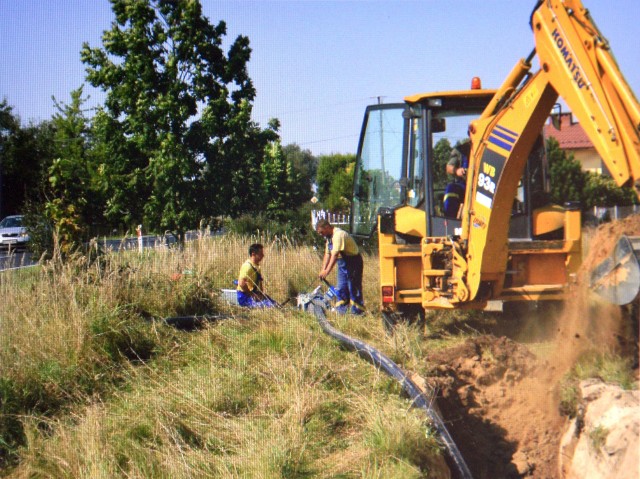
<point>379,360</point>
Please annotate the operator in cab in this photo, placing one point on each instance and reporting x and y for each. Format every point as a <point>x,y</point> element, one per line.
<point>457,167</point>
<point>341,249</point>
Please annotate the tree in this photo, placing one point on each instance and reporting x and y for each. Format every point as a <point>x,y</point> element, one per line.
<point>335,181</point>
<point>70,199</point>
<point>567,178</point>
<point>570,183</point>
<point>442,153</point>
<point>284,188</point>
<point>177,126</point>
<point>600,190</point>
<point>25,154</point>
<point>305,166</point>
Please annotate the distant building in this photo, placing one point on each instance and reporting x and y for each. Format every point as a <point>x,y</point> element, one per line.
<point>573,139</point>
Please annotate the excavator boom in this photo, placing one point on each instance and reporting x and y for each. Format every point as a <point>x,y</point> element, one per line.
<point>575,64</point>
<point>577,61</point>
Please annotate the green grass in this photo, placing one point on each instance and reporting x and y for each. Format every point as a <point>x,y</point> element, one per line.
<point>94,384</point>
<point>606,366</point>
<point>598,438</point>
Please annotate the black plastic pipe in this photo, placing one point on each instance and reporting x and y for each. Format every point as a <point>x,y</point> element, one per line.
<point>382,362</point>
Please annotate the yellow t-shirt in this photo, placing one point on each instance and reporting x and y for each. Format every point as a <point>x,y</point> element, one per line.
<point>251,273</point>
<point>342,243</point>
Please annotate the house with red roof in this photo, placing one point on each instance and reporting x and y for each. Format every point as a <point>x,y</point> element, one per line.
<point>573,139</point>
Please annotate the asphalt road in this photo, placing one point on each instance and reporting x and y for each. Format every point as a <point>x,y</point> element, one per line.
<point>13,260</point>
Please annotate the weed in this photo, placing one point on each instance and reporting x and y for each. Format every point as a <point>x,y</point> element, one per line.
<point>598,438</point>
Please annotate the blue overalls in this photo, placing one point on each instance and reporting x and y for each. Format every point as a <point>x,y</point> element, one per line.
<point>248,301</point>
<point>349,285</point>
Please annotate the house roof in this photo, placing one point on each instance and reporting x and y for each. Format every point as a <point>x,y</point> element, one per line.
<point>571,136</point>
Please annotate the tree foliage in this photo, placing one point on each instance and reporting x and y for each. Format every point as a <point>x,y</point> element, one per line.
<point>305,165</point>
<point>176,124</point>
<point>442,153</point>
<point>282,191</point>
<point>25,154</point>
<point>335,181</point>
<point>570,183</point>
<point>71,200</point>
<point>567,178</point>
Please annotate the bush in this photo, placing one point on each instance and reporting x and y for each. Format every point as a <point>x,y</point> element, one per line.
<point>40,232</point>
<point>295,226</point>
<point>602,191</point>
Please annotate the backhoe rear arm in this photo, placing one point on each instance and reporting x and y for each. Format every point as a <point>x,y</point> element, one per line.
<point>576,64</point>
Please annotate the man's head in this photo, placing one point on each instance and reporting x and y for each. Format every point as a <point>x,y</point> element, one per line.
<point>256,252</point>
<point>324,228</point>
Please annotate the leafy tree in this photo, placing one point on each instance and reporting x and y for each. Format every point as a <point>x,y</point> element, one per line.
<point>600,190</point>
<point>442,153</point>
<point>335,181</point>
<point>305,166</point>
<point>70,201</point>
<point>570,183</point>
<point>177,119</point>
<point>25,153</point>
<point>282,190</point>
<point>567,178</point>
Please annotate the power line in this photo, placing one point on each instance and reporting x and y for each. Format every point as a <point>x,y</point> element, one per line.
<point>328,139</point>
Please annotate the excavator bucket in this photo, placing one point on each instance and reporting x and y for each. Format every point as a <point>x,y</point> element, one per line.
<point>617,278</point>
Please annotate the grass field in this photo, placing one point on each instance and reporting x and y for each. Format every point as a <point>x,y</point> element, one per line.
<point>93,384</point>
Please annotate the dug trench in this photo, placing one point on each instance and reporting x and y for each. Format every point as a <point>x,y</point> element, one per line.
<point>500,392</point>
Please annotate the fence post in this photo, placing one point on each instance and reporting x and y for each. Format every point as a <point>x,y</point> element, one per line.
<point>139,229</point>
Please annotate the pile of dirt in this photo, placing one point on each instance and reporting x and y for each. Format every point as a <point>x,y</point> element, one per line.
<point>500,409</point>
<point>601,241</point>
<point>501,402</point>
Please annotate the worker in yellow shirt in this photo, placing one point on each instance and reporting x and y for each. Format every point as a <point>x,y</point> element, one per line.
<point>341,249</point>
<point>250,289</point>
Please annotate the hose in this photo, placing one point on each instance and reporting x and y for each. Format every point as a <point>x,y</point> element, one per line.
<point>379,360</point>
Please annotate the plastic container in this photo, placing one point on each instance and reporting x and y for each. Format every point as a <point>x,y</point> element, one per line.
<point>230,295</point>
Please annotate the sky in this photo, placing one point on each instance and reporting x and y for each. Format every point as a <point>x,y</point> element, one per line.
<point>316,64</point>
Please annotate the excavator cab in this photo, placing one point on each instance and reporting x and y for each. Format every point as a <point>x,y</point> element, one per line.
<point>401,162</point>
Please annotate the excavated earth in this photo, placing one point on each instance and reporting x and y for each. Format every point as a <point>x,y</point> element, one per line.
<point>500,411</point>
<point>500,391</point>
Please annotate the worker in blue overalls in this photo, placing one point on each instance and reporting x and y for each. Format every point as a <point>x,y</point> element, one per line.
<point>341,249</point>
<point>250,290</point>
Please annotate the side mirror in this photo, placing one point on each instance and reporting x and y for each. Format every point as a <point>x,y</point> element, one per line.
<point>438,125</point>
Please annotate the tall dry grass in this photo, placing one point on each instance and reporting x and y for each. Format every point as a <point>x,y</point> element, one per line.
<point>93,385</point>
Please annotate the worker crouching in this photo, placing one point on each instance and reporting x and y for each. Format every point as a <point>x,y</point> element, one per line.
<point>250,289</point>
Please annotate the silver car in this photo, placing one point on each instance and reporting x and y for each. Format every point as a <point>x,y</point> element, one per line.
<point>12,234</point>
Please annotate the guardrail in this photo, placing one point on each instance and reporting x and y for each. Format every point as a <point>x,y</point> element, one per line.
<point>601,214</point>
<point>140,242</point>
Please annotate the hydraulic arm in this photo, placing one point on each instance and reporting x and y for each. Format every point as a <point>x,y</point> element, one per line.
<point>577,65</point>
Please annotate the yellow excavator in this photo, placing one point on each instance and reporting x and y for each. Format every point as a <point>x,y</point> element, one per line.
<point>505,242</point>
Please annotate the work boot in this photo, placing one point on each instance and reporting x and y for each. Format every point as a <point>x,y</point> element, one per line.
<point>355,310</point>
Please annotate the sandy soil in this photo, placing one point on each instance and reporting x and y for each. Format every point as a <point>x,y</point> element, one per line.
<point>501,401</point>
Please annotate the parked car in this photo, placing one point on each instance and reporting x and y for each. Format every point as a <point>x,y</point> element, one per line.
<point>13,235</point>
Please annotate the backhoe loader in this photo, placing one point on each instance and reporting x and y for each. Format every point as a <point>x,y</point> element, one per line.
<point>506,242</point>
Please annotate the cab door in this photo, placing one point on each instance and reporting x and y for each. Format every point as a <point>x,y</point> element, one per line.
<point>380,178</point>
